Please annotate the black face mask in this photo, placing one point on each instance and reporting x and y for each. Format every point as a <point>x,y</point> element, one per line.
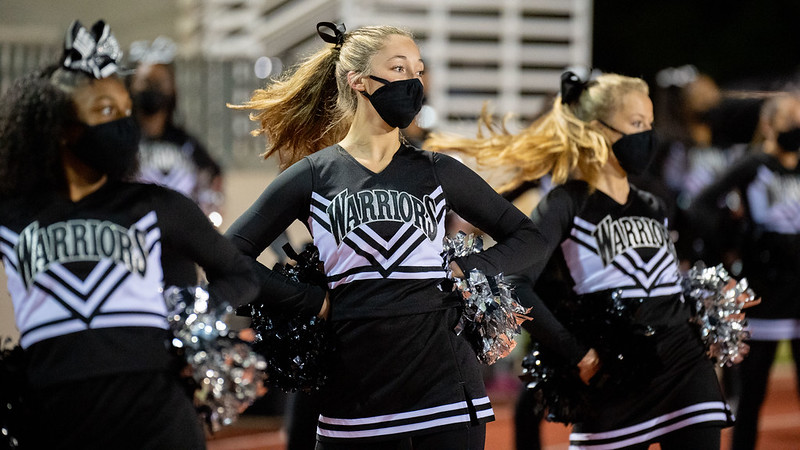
<point>634,151</point>
<point>789,140</point>
<point>110,148</point>
<point>151,101</point>
<point>397,102</point>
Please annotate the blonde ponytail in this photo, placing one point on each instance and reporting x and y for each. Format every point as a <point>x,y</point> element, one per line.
<point>311,106</point>
<point>561,142</point>
<point>297,111</point>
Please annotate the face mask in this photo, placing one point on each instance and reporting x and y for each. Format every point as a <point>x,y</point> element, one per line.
<point>397,102</point>
<point>110,148</point>
<point>789,140</point>
<point>151,101</point>
<point>634,151</point>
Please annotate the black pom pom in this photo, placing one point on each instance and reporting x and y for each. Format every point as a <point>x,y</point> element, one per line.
<point>559,390</point>
<point>298,349</point>
<point>627,350</point>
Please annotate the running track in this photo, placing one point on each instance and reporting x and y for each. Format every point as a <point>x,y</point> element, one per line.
<point>779,424</point>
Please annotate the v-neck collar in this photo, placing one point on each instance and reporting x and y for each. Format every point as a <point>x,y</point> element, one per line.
<point>350,157</point>
<point>612,201</point>
<point>97,193</point>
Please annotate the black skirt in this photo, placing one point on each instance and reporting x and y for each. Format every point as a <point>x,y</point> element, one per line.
<point>685,393</point>
<point>143,410</point>
<point>402,376</point>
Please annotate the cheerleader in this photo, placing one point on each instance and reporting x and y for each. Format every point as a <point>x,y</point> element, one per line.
<point>168,154</point>
<point>768,181</point>
<point>87,254</point>
<point>606,242</point>
<point>375,207</point>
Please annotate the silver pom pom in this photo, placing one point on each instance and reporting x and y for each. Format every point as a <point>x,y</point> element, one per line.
<point>492,316</point>
<point>718,312</point>
<point>228,373</point>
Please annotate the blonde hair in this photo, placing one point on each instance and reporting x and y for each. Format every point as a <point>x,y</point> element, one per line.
<point>311,106</point>
<point>561,142</point>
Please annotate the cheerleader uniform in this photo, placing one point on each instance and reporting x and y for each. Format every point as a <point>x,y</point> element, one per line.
<point>178,161</point>
<point>771,263</point>
<point>600,247</point>
<point>86,280</point>
<point>400,370</point>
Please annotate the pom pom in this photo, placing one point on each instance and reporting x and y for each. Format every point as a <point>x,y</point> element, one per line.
<point>558,388</point>
<point>626,348</point>
<point>492,316</point>
<point>13,384</point>
<point>228,374</point>
<point>718,312</point>
<point>298,348</point>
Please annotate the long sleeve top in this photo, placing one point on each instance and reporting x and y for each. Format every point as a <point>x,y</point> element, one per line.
<point>380,234</point>
<point>87,277</point>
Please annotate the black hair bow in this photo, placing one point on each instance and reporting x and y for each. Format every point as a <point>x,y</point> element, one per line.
<point>95,52</point>
<point>571,87</point>
<point>336,36</point>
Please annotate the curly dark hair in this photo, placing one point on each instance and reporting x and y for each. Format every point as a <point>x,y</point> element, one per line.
<point>33,116</point>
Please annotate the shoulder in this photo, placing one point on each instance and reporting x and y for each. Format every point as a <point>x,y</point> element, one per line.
<point>444,163</point>
<point>177,134</point>
<point>438,158</point>
<point>149,191</point>
<point>745,168</point>
<point>573,191</point>
<point>754,159</point>
<point>327,154</point>
<point>564,201</point>
<point>16,211</point>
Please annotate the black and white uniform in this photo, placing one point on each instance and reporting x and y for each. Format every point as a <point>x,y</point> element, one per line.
<point>771,255</point>
<point>400,369</point>
<point>600,246</point>
<point>771,262</point>
<point>86,280</point>
<point>178,161</point>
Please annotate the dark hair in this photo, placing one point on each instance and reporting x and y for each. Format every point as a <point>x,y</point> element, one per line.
<point>34,113</point>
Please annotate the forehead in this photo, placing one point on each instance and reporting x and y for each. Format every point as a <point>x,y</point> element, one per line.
<point>789,108</point>
<point>96,89</point>
<point>396,46</point>
<point>152,73</point>
<point>636,103</point>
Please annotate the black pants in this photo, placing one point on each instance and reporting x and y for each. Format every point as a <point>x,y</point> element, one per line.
<point>754,374</point>
<point>471,438</point>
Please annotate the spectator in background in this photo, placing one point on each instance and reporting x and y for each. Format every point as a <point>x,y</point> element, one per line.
<point>168,155</point>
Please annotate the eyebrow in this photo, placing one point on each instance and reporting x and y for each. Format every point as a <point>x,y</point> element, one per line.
<point>103,97</point>
<point>403,57</point>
